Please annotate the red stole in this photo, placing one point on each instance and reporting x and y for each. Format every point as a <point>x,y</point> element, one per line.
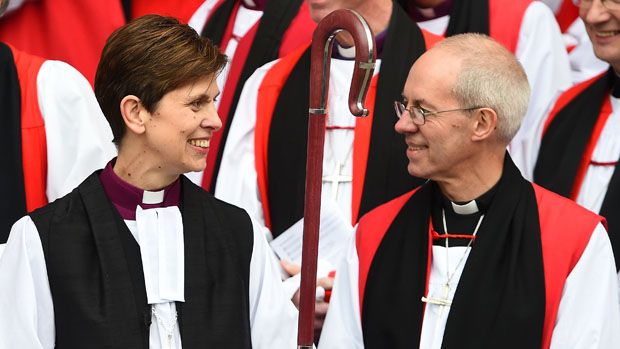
<point>268,94</point>
<point>604,114</point>
<point>34,148</point>
<point>297,34</point>
<point>566,14</point>
<point>67,30</point>
<point>183,10</point>
<point>565,228</point>
<point>505,19</point>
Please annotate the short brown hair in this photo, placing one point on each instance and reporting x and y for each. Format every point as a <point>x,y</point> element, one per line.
<point>149,57</point>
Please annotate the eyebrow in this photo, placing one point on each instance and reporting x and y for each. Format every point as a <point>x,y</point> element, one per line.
<point>202,96</point>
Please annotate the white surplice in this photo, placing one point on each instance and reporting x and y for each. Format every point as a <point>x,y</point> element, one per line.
<point>27,310</point>
<point>583,62</point>
<point>585,318</point>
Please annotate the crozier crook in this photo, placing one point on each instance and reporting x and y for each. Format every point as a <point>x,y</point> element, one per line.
<point>323,38</point>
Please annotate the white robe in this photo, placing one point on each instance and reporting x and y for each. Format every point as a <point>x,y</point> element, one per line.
<point>27,309</point>
<point>585,318</point>
<point>541,52</point>
<point>79,138</point>
<point>244,21</point>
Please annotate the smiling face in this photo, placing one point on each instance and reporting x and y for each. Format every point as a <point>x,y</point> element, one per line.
<point>438,149</point>
<point>603,27</point>
<point>178,132</point>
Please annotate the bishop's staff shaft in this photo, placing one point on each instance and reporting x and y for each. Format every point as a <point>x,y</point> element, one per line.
<point>326,31</point>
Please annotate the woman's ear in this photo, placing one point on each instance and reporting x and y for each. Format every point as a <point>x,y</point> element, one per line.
<point>485,124</point>
<point>134,114</point>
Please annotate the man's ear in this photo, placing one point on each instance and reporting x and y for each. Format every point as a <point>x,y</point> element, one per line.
<point>485,124</point>
<point>134,114</point>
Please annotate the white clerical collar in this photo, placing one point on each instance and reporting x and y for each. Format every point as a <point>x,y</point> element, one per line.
<point>467,208</point>
<point>153,197</point>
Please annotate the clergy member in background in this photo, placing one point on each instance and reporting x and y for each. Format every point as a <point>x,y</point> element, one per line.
<point>477,257</point>
<point>574,151</point>
<point>137,255</point>
<point>251,33</point>
<point>583,63</point>
<point>264,164</point>
<point>67,30</point>
<point>525,27</point>
<point>53,132</point>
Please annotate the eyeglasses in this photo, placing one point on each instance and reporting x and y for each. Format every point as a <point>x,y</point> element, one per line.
<point>612,5</point>
<point>418,114</point>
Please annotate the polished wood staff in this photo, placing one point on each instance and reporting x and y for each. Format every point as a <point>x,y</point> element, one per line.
<point>365,55</point>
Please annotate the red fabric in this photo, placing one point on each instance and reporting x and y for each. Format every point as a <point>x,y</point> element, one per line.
<point>431,39</point>
<point>66,30</point>
<point>370,233</point>
<point>182,10</point>
<point>241,54</point>
<point>299,32</point>
<point>505,19</point>
<point>567,14</point>
<point>268,94</point>
<point>587,155</point>
<point>565,228</point>
<point>606,110</point>
<point>361,144</point>
<point>566,97</point>
<point>34,148</point>
<point>228,33</point>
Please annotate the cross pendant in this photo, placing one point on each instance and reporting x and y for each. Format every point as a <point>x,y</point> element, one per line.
<point>336,178</point>
<point>444,302</point>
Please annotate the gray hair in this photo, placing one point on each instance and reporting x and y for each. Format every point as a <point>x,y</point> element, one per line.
<point>490,76</point>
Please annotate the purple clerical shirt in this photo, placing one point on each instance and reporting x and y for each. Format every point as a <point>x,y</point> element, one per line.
<point>127,197</point>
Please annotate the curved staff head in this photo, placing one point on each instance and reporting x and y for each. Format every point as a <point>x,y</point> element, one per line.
<point>365,56</point>
<point>326,31</point>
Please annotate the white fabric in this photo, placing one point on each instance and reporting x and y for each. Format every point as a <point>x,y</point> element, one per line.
<point>159,232</point>
<point>237,179</point>
<point>583,62</point>
<point>244,21</point>
<point>79,139</point>
<point>596,180</point>
<point>588,316</point>
<point>27,310</point>
<point>541,52</point>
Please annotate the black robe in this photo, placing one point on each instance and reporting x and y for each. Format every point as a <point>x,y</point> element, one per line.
<point>97,282</point>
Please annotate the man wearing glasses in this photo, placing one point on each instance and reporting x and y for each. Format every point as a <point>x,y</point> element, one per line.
<point>477,257</point>
<point>575,150</point>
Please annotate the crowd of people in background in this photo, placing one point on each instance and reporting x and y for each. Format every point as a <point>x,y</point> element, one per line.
<point>153,191</point>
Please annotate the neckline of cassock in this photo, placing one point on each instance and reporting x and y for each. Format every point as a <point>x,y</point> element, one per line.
<point>126,197</point>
